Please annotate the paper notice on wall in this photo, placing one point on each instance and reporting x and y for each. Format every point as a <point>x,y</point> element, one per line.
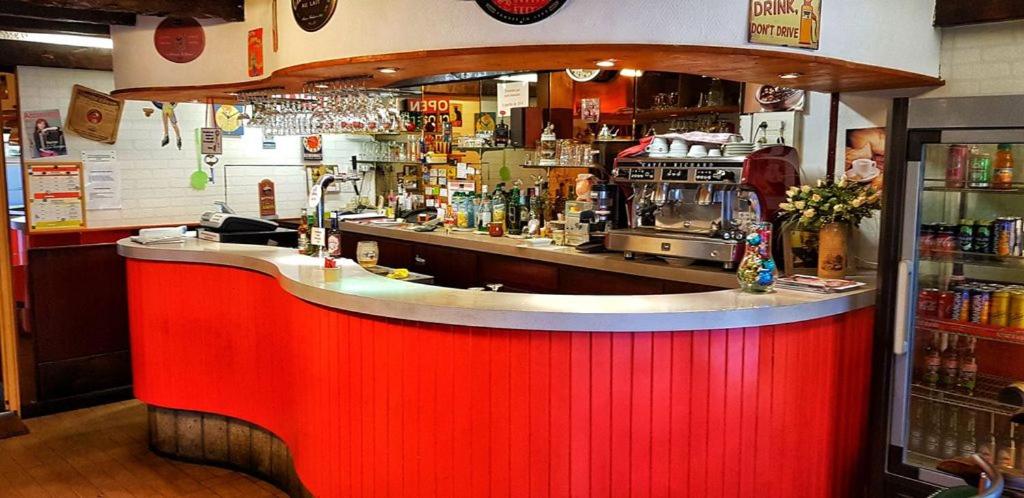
<point>55,196</point>
<point>102,180</point>
<point>511,95</point>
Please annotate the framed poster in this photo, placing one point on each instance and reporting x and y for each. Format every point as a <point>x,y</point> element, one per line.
<point>44,133</point>
<point>786,24</point>
<point>865,156</point>
<point>94,115</point>
<point>768,98</point>
<point>54,192</point>
<point>590,110</point>
<point>255,44</point>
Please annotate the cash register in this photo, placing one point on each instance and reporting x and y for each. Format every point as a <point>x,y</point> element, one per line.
<point>227,226</point>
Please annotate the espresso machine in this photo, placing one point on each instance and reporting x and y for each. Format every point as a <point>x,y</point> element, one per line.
<point>700,208</point>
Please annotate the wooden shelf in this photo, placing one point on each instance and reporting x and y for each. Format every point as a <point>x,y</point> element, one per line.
<point>680,112</point>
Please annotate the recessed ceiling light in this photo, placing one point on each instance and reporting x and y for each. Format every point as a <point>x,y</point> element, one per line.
<point>631,73</point>
<point>790,76</point>
<point>605,63</point>
<point>321,85</point>
<point>387,70</point>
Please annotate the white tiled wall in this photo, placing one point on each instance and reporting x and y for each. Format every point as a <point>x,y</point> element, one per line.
<point>984,59</point>
<point>155,179</point>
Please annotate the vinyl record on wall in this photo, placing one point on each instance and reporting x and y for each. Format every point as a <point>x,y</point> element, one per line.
<point>179,39</point>
<point>520,11</point>
<point>311,15</point>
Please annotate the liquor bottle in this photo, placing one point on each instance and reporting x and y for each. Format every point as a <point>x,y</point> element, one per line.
<point>915,440</point>
<point>513,213</point>
<point>537,207</point>
<point>498,205</point>
<point>987,449</point>
<point>390,211</point>
<point>1006,455</point>
<point>525,200</point>
<point>969,433</point>
<point>968,368</point>
<point>311,248</point>
<point>933,431</point>
<point>559,207</point>
<point>483,219</point>
<point>334,238</point>
<point>932,363</point>
<point>303,232</point>
<point>950,363</point>
<point>951,433</point>
<point>501,134</point>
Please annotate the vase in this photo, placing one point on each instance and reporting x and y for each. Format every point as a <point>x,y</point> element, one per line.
<point>757,271</point>
<point>832,250</point>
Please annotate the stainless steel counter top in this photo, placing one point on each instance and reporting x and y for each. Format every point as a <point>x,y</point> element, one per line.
<point>713,276</point>
<point>363,292</point>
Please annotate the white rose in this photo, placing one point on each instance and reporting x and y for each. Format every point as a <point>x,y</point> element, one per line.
<point>857,202</point>
<point>842,181</point>
<point>800,204</point>
<point>791,191</point>
<point>809,213</point>
<point>805,189</point>
<point>816,198</point>
<point>839,207</point>
<point>785,206</point>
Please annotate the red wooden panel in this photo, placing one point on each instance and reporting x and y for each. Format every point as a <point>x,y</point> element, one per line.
<point>374,408</point>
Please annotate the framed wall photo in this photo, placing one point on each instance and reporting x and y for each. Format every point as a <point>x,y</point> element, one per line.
<point>94,115</point>
<point>44,134</point>
<point>54,192</point>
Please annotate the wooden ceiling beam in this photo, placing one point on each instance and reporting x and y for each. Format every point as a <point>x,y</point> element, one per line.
<point>961,12</point>
<point>18,53</point>
<point>228,10</point>
<point>17,8</point>
<point>12,23</point>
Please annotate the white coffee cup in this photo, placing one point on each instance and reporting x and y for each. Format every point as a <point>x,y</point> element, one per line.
<point>863,170</point>
<point>658,146</point>
<point>678,148</point>
<point>715,153</point>
<point>698,151</point>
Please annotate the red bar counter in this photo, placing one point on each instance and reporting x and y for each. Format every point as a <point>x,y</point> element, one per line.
<point>387,388</point>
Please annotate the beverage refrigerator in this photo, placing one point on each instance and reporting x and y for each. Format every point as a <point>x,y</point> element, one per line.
<point>950,341</point>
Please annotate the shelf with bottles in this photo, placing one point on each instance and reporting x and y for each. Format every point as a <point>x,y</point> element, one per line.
<point>939,185</point>
<point>974,259</point>
<point>985,397</point>
<point>990,332</point>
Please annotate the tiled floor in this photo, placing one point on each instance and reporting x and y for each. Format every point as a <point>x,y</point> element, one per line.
<point>102,452</point>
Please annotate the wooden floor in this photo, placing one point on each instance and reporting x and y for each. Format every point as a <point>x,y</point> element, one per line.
<point>101,452</point>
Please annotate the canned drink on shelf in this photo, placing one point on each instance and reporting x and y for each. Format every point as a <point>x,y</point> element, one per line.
<point>945,240</point>
<point>1018,234</point>
<point>1002,238</point>
<point>965,235</point>
<point>999,310</point>
<point>983,236</point>
<point>926,240</point>
<point>1016,319</point>
<point>961,303</point>
<point>980,305</point>
<point>944,305</point>
<point>928,303</point>
<point>956,165</point>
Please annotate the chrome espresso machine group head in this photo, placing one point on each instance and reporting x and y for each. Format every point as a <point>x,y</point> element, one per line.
<point>700,208</point>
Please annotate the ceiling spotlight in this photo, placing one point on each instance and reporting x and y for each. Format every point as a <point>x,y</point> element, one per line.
<point>387,70</point>
<point>631,73</point>
<point>321,86</point>
<point>790,76</point>
<point>605,63</point>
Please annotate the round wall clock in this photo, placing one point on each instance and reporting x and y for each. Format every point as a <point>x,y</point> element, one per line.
<point>311,15</point>
<point>520,11</point>
<point>583,75</point>
<point>228,118</point>
<point>179,39</point>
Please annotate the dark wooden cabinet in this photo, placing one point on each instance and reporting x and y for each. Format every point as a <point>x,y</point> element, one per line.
<point>449,267</point>
<point>518,275</point>
<point>572,280</point>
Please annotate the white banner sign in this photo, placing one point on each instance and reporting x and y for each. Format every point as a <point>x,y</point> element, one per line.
<point>511,95</point>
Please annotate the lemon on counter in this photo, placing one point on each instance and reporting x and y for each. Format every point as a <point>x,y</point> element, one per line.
<point>399,274</point>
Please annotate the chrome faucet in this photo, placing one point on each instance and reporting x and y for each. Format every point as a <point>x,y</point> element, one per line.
<point>321,187</point>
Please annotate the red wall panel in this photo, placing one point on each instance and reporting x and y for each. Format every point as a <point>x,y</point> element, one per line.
<point>375,407</point>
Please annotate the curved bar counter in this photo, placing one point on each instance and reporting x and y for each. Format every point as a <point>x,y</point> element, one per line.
<point>382,387</point>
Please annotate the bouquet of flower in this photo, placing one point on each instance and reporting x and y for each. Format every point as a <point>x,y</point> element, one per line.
<point>841,201</point>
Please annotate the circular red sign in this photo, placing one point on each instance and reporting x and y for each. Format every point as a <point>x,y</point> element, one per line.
<point>520,11</point>
<point>179,39</point>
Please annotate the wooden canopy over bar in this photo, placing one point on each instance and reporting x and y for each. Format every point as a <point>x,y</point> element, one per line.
<point>817,73</point>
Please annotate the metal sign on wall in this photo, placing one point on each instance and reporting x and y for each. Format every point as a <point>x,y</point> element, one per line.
<point>179,39</point>
<point>311,15</point>
<point>520,11</point>
<point>787,23</point>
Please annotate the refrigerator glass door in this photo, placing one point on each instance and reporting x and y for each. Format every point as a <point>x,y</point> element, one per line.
<point>962,347</point>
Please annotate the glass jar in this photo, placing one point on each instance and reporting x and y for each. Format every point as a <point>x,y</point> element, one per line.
<point>757,270</point>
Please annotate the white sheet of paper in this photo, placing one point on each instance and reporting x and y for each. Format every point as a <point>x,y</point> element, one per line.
<point>102,180</point>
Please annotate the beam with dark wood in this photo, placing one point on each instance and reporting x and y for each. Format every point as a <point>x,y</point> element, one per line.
<point>17,53</point>
<point>17,8</point>
<point>13,23</point>
<point>961,12</point>
<point>228,10</point>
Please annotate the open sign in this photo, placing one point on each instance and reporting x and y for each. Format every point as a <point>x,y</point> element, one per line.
<point>430,106</point>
